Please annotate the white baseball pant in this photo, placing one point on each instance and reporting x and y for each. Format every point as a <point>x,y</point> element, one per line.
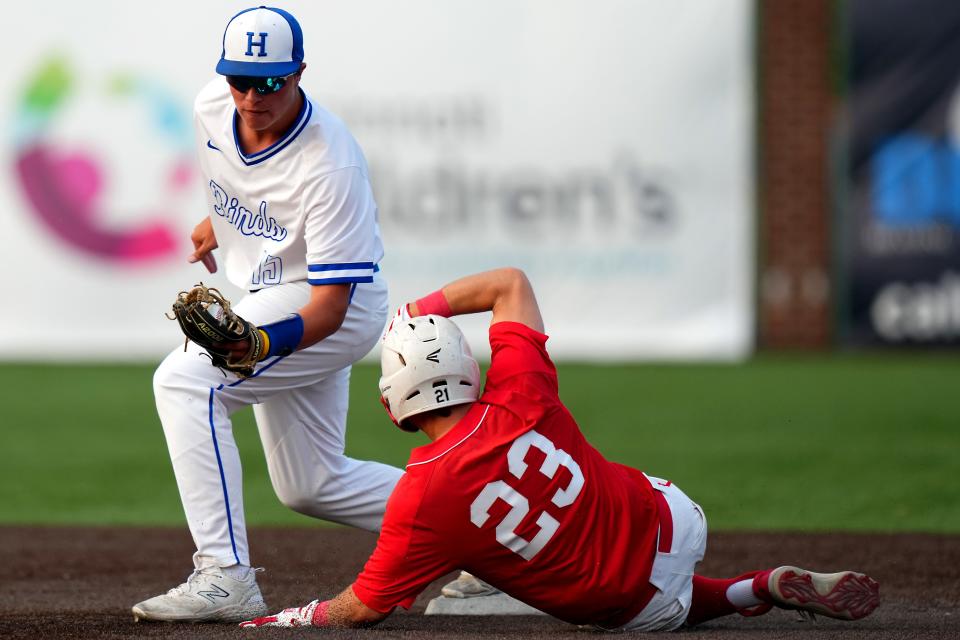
<point>672,573</point>
<point>300,404</point>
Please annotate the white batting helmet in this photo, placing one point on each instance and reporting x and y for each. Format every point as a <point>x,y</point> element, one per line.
<point>426,364</point>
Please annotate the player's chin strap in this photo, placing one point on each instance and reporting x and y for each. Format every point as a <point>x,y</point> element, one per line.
<point>386,405</point>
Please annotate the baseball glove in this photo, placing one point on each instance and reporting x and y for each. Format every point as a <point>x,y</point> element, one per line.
<point>205,317</point>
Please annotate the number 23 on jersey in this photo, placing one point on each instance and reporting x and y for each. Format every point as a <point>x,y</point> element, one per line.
<point>519,504</point>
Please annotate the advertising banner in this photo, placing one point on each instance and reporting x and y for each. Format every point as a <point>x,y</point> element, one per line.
<point>900,223</point>
<point>604,147</point>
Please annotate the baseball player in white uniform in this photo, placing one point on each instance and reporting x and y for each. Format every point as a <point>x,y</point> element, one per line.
<point>291,209</point>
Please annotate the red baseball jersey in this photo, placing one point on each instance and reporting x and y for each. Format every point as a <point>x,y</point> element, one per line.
<point>515,495</point>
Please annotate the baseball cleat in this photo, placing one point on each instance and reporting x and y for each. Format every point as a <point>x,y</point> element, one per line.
<point>207,596</point>
<point>468,586</point>
<point>846,595</point>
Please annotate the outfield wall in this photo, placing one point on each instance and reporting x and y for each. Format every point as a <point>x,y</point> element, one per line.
<point>606,148</point>
<point>899,228</point>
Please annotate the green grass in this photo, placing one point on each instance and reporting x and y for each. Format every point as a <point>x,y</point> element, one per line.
<point>787,442</point>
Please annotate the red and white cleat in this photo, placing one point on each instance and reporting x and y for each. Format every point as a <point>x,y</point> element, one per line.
<point>846,595</point>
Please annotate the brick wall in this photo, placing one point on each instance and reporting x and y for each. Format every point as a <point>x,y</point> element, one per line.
<point>794,292</point>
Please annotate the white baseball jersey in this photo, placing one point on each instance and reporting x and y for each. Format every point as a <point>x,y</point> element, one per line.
<point>301,209</point>
<point>300,212</point>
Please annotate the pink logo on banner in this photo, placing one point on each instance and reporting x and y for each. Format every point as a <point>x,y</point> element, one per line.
<point>65,187</point>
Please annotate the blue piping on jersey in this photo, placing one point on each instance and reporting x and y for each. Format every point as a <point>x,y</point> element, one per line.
<point>303,117</point>
<point>343,266</point>
<point>352,280</point>
<point>223,478</point>
<point>316,281</point>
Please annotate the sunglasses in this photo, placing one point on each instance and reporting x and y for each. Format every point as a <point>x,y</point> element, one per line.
<point>263,86</point>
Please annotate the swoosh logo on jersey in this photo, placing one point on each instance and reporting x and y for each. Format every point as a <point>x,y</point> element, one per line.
<point>210,144</point>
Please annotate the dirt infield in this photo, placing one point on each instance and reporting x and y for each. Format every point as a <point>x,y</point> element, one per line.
<point>80,583</point>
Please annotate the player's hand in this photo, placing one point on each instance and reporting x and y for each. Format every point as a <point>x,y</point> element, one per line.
<point>296,617</point>
<point>204,241</point>
<point>402,314</point>
<point>236,349</point>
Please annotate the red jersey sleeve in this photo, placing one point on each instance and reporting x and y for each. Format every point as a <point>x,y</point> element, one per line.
<point>407,558</point>
<point>516,349</point>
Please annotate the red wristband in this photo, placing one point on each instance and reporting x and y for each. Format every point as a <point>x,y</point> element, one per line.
<point>320,614</point>
<point>434,304</point>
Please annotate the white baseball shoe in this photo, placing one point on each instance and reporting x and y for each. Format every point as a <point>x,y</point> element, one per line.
<point>208,595</point>
<point>468,586</point>
<point>846,595</point>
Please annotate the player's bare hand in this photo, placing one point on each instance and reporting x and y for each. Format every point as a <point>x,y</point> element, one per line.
<point>204,241</point>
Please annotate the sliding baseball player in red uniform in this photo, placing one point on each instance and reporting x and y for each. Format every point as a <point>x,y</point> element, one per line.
<point>509,490</point>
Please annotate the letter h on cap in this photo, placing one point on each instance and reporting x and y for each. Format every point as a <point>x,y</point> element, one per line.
<point>261,45</point>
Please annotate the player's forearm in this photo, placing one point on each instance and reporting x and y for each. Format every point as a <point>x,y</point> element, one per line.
<point>325,312</point>
<point>478,292</point>
<point>506,292</point>
<point>346,610</point>
<point>316,320</point>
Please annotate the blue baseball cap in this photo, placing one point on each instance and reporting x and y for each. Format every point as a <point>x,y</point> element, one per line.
<point>261,42</point>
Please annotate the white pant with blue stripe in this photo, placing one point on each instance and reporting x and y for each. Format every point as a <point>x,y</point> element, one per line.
<point>300,405</point>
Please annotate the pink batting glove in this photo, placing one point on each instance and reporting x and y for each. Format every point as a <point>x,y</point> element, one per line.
<point>295,617</point>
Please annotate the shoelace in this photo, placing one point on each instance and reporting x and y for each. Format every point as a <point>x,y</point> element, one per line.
<point>210,571</point>
<point>185,587</point>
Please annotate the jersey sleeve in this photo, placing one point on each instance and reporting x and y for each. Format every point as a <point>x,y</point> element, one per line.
<point>407,557</point>
<point>343,241</point>
<point>205,111</point>
<point>518,350</point>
